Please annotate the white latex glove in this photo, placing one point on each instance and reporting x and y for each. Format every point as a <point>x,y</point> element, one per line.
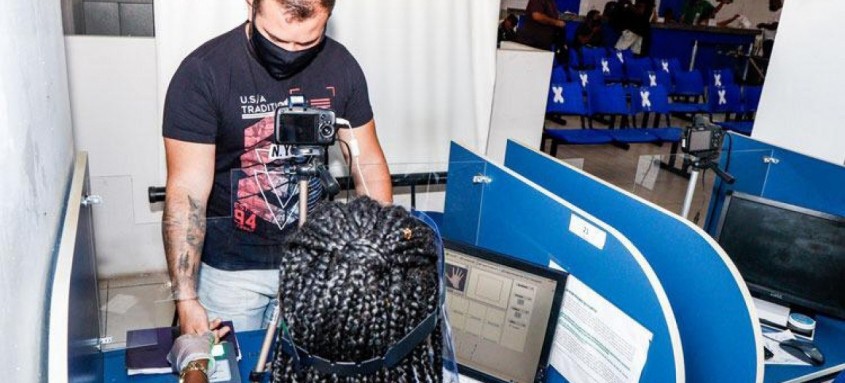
<point>190,347</point>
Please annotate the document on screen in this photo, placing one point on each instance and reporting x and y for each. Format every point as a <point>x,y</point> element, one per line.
<point>595,342</point>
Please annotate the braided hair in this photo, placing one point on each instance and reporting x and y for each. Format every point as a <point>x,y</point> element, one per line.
<point>356,279</point>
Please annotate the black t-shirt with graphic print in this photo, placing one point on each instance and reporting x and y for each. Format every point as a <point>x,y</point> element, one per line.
<point>221,95</point>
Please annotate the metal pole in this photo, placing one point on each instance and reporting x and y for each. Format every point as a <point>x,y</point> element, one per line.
<point>694,54</point>
<point>274,321</point>
<point>693,179</point>
<point>747,63</point>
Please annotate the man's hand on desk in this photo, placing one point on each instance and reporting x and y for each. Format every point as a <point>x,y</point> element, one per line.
<point>191,353</point>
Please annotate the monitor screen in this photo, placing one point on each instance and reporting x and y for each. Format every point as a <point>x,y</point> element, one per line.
<point>785,253</point>
<point>502,312</point>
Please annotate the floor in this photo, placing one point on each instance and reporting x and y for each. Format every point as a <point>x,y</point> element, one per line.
<point>143,301</point>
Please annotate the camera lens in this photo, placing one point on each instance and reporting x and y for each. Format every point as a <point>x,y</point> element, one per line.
<point>327,131</point>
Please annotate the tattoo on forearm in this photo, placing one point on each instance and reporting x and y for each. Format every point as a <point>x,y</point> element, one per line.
<point>183,231</point>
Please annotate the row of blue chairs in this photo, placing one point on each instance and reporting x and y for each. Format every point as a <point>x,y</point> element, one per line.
<point>568,98</point>
<point>576,99</point>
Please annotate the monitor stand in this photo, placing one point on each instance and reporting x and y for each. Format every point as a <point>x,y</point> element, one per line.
<point>772,313</point>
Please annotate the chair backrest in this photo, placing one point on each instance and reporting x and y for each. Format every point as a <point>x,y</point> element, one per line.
<point>667,65</point>
<point>634,67</point>
<point>689,83</point>
<point>566,98</point>
<point>724,99</point>
<point>621,56</point>
<point>751,97</point>
<point>559,75</point>
<point>609,66</point>
<point>608,99</point>
<point>650,99</point>
<point>657,78</point>
<point>720,78</point>
<point>585,57</point>
<point>592,54</point>
<point>587,78</point>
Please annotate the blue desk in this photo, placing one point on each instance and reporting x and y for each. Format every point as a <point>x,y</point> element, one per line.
<point>830,338</point>
<point>114,362</point>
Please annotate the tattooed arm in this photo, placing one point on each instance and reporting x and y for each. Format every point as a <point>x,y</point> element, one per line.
<point>190,173</point>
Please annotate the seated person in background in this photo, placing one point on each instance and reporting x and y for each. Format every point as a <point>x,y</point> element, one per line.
<point>507,29</point>
<point>356,279</point>
<point>590,33</point>
<point>542,26</point>
<point>697,11</point>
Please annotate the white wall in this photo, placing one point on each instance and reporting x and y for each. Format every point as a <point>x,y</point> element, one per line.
<point>36,157</point>
<point>801,108</point>
<point>115,119</point>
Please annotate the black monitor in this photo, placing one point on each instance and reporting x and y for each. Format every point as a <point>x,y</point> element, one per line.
<point>786,254</point>
<point>503,313</point>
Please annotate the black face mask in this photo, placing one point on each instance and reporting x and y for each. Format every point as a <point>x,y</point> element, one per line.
<point>281,63</point>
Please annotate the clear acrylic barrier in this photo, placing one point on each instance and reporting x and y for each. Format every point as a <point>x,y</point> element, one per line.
<point>660,178</point>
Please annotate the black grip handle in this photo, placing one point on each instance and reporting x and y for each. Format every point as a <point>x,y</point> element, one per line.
<point>156,193</point>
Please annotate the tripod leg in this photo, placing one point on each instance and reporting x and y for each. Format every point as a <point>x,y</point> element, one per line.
<point>693,179</point>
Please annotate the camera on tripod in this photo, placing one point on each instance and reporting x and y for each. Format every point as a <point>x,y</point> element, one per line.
<point>307,133</point>
<point>703,140</point>
<point>297,124</point>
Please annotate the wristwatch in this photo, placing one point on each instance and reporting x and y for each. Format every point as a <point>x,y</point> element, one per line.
<point>195,365</point>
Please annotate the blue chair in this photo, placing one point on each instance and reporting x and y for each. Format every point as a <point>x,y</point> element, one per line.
<point>648,100</point>
<point>725,100</point>
<point>611,68</point>
<point>559,75</point>
<point>568,99</point>
<point>751,98</point>
<point>608,100</point>
<point>667,65</point>
<point>587,78</point>
<point>585,58</point>
<point>657,78</point>
<point>720,78</point>
<point>688,86</point>
<point>611,100</point>
<point>621,56</point>
<point>634,69</point>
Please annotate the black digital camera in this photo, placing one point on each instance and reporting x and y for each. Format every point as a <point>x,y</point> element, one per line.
<point>703,139</point>
<point>300,125</point>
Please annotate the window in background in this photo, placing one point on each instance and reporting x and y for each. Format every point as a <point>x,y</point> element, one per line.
<point>108,17</point>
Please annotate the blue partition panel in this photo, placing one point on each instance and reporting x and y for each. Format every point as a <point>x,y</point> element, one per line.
<point>790,177</point>
<point>721,338</point>
<point>518,218</point>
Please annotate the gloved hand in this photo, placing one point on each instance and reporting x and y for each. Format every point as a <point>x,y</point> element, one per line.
<point>190,347</point>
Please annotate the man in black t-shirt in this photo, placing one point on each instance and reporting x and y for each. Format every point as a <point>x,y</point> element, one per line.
<point>229,207</point>
<point>543,27</point>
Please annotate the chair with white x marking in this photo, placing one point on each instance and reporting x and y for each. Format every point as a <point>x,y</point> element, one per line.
<point>568,99</point>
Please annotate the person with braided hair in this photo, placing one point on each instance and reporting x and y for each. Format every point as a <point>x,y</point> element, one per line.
<point>356,279</point>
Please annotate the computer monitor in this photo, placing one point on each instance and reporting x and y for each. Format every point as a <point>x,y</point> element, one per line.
<point>503,313</point>
<point>786,254</point>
